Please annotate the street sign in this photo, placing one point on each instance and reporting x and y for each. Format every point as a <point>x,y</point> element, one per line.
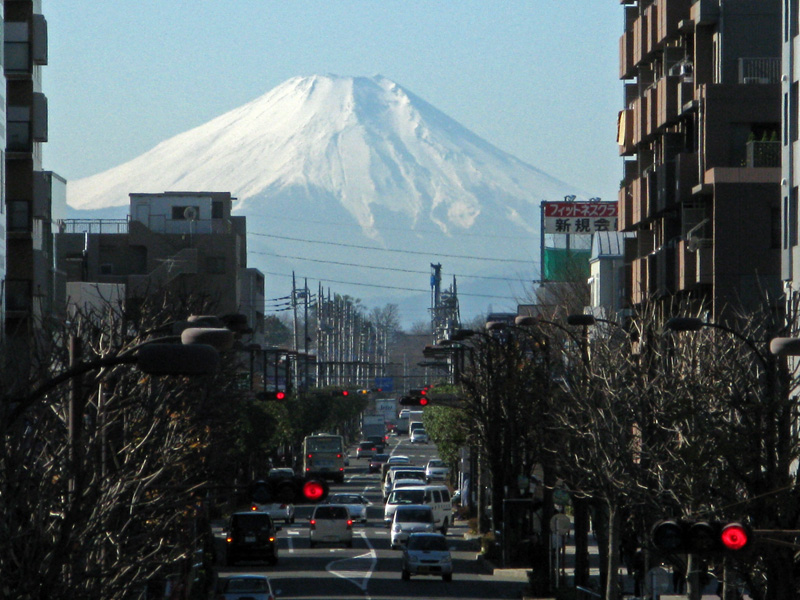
<point>385,384</point>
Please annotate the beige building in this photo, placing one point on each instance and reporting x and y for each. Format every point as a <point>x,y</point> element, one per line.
<point>186,242</point>
<point>700,136</point>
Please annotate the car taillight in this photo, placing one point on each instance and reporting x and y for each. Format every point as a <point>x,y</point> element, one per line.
<point>313,524</point>
<point>283,506</point>
<point>229,539</point>
<point>254,507</point>
<point>272,539</point>
<point>341,468</point>
<point>338,456</point>
<point>349,523</point>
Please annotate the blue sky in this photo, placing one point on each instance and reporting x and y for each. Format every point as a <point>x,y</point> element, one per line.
<point>536,78</point>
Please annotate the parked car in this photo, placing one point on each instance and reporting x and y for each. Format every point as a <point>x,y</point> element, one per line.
<point>251,536</point>
<point>419,436</point>
<point>427,554</point>
<point>330,523</point>
<point>412,518</point>
<point>436,470</point>
<point>252,587</point>
<point>376,462</point>
<point>366,449</point>
<point>355,503</point>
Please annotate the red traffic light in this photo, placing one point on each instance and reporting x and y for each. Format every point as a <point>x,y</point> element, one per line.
<point>734,536</point>
<point>700,537</point>
<point>314,490</point>
<point>423,401</point>
<point>280,395</point>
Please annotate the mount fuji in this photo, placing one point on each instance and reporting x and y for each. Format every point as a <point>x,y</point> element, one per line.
<point>358,184</point>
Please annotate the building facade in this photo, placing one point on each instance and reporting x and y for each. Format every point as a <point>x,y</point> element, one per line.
<point>34,199</point>
<point>700,136</point>
<point>185,242</point>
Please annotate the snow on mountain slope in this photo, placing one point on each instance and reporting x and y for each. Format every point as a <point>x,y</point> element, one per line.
<point>347,150</point>
<point>365,140</point>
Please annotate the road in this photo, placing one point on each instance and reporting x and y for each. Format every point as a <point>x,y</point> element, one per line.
<point>371,570</point>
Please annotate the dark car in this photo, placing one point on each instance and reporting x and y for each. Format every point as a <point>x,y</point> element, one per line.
<point>251,536</point>
<point>376,461</point>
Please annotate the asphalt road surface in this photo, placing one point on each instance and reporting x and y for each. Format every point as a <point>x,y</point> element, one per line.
<point>371,569</point>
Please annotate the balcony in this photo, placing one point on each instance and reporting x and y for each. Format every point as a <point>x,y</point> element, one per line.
<point>763,154</point>
<point>625,132</point>
<point>667,100</point>
<point>640,33</point>
<point>639,286</point>
<point>626,63</point>
<point>670,14</point>
<point>625,207</point>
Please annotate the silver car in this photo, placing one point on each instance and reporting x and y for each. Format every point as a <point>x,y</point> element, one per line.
<point>355,503</point>
<point>427,554</point>
<point>408,519</point>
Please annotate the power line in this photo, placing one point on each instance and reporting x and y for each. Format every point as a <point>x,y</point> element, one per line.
<point>396,269</point>
<point>392,287</point>
<point>372,248</point>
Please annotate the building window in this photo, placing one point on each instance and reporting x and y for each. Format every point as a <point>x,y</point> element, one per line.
<point>217,210</point>
<point>19,215</point>
<point>793,218</point>
<point>215,265</point>
<point>18,294</point>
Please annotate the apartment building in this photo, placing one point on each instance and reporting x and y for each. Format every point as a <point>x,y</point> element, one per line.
<point>700,138</point>
<point>186,242</point>
<point>33,199</point>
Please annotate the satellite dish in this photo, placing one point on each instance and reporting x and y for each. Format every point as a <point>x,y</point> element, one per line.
<point>190,213</point>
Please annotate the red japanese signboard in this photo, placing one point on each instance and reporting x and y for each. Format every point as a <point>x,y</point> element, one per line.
<point>579,218</point>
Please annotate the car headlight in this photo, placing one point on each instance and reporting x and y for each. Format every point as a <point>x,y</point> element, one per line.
<point>446,560</point>
<point>413,558</point>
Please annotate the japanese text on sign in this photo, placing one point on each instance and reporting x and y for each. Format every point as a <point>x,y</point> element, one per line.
<point>579,217</point>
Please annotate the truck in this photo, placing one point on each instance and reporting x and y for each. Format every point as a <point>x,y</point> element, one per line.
<point>401,424</point>
<point>388,408</point>
<point>414,420</point>
<point>373,426</point>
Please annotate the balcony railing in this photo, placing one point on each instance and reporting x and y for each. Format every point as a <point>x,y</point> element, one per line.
<point>763,154</point>
<point>760,70</point>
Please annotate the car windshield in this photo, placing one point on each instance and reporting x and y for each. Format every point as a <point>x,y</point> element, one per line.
<point>414,515</point>
<point>245,584</point>
<point>427,542</point>
<point>436,463</point>
<point>380,457</point>
<point>406,496</point>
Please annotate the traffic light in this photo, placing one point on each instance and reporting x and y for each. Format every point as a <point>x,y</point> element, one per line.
<point>341,393</point>
<point>415,398</point>
<point>289,490</point>
<point>701,537</point>
<point>271,396</point>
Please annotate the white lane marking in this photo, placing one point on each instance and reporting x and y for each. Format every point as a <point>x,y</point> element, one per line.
<point>359,577</point>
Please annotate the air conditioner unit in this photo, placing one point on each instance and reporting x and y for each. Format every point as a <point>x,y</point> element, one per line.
<point>761,80</point>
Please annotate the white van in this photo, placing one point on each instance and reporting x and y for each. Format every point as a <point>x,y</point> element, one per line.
<point>435,496</point>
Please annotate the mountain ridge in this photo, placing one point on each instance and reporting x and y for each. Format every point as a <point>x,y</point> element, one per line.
<point>335,149</point>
